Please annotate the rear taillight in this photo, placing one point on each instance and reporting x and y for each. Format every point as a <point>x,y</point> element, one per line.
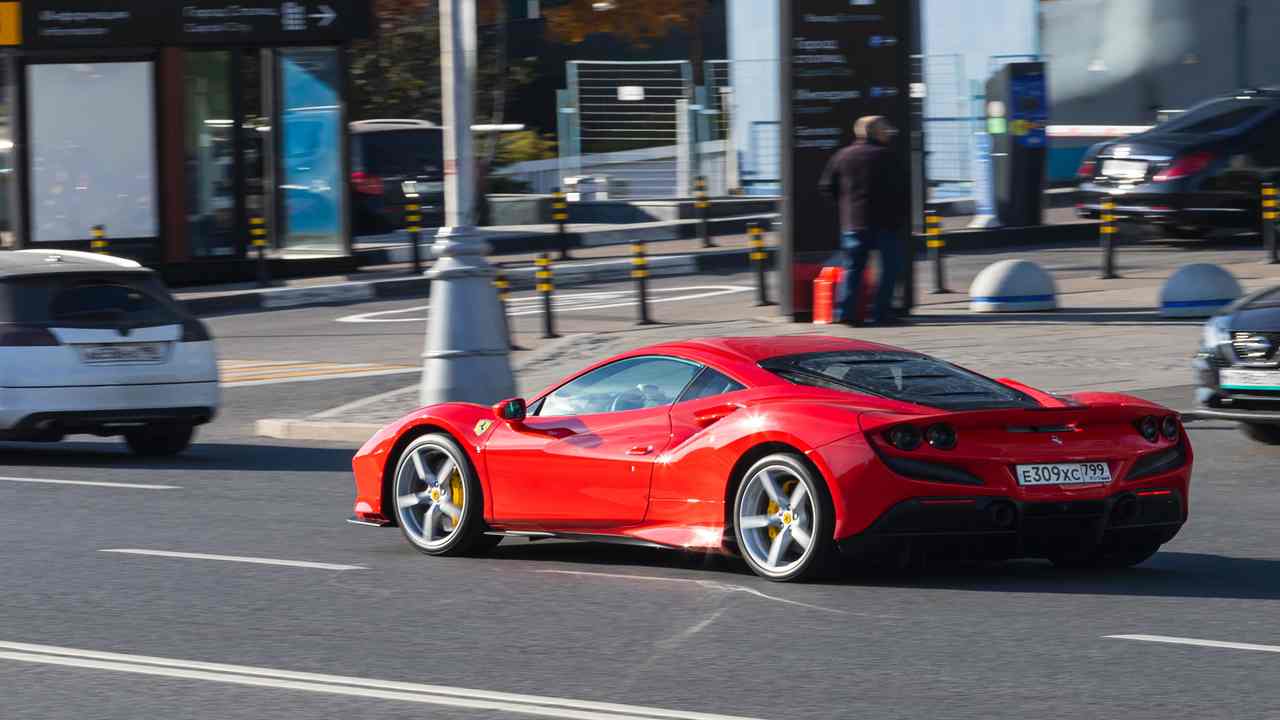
<point>1185,165</point>
<point>26,336</point>
<point>1149,427</point>
<point>904,437</point>
<point>194,331</point>
<point>366,184</point>
<point>1087,169</point>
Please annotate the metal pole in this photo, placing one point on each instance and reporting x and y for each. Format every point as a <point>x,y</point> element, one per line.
<point>258,238</point>
<point>759,256</point>
<point>936,245</point>
<point>1269,216</point>
<point>704,213</point>
<point>640,272</point>
<point>546,286</point>
<point>413,225</point>
<point>560,214</point>
<point>98,243</point>
<point>1108,231</point>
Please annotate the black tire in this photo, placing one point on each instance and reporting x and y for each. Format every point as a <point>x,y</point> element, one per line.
<point>1258,432</point>
<point>1113,558</point>
<point>467,537</point>
<point>817,561</point>
<point>160,440</point>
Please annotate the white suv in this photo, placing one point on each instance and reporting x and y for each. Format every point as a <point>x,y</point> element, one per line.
<point>96,345</point>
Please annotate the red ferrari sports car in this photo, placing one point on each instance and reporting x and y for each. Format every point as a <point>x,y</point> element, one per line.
<point>790,451</point>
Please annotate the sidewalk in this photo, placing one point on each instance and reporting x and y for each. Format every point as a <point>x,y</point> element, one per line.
<point>1106,336</point>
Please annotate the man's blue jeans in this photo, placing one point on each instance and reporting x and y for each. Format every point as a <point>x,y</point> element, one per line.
<point>857,246</point>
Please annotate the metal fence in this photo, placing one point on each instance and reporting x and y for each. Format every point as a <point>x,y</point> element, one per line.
<point>949,124</point>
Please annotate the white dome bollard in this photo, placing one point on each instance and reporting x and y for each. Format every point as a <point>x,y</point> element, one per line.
<point>1013,286</point>
<point>1198,290</point>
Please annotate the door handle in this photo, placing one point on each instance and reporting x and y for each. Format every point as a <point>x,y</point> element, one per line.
<point>640,450</point>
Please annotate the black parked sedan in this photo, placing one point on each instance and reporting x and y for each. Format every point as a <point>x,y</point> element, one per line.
<point>1198,172</point>
<point>1238,367</point>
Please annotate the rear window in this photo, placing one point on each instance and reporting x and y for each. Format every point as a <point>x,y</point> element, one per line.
<point>909,377</point>
<point>402,152</point>
<point>93,301</point>
<point>1217,116</point>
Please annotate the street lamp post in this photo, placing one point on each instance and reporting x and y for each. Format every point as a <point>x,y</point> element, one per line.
<point>467,354</point>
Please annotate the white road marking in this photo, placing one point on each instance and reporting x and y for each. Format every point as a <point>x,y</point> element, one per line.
<point>565,302</point>
<point>537,705</point>
<point>713,585</point>
<point>1201,643</point>
<point>94,483</point>
<point>232,558</point>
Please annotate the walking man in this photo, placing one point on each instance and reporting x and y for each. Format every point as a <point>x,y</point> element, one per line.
<point>872,192</point>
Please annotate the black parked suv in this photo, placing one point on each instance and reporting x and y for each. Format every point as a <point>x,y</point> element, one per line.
<point>1238,367</point>
<point>389,160</point>
<point>1198,172</point>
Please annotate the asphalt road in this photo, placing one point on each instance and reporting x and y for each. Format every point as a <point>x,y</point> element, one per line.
<point>395,634</point>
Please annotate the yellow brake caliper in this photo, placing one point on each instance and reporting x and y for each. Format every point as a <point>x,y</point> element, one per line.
<point>773,508</point>
<point>455,492</point>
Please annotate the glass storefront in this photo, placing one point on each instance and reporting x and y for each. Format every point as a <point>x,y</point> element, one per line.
<point>210,155</point>
<point>312,191</point>
<point>93,150</point>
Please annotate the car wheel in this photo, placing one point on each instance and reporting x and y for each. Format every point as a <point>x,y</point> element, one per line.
<point>1259,432</point>
<point>783,519</point>
<point>160,440</point>
<point>437,498</point>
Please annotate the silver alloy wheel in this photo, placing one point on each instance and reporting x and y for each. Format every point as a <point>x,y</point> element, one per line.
<point>777,519</point>
<point>430,496</point>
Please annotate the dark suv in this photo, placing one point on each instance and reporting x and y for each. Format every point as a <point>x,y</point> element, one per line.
<point>1198,172</point>
<point>1238,368</point>
<point>389,160</point>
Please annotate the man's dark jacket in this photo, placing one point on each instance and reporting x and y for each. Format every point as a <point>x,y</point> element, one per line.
<point>870,186</point>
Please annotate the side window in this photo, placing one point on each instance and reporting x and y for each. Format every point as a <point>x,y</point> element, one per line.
<point>631,384</point>
<point>1264,143</point>
<point>710,383</point>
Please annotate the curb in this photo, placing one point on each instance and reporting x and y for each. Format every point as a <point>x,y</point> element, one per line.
<point>569,275</point>
<point>315,430</point>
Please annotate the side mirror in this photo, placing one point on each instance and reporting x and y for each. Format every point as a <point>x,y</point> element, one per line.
<point>513,410</point>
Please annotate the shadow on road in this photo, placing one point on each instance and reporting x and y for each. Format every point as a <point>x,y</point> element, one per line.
<point>1105,316</point>
<point>202,456</point>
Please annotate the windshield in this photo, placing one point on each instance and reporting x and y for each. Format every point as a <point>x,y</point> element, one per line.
<point>403,152</point>
<point>909,377</point>
<point>1216,116</point>
<point>120,300</point>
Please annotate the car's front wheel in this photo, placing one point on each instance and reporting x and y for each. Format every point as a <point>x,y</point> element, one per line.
<point>437,498</point>
<point>160,440</point>
<point>783,519</point>
<point>1263,433</point>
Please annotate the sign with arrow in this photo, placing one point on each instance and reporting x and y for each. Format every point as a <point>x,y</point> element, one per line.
<point>67,24</point>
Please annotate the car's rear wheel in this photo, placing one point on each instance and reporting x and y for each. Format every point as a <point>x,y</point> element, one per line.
<point>437,498</point>
<point>160,440</point>
<point>783,519</point>
<point>1263,433</point>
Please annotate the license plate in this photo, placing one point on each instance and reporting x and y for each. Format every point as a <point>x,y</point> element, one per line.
<point>123,353</point>
<point>1064,474</point>
<point>1124,169</point>
<point>1237,379</point>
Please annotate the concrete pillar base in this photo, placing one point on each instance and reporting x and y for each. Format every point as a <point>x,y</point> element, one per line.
<point>466,358</point>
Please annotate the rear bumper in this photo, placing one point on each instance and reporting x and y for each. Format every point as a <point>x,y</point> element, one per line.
<point>1009,528</point>
<point>106,408</point>
<point>1171,209</point>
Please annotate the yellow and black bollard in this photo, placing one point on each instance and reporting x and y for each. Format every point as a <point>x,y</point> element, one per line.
<point>99,243</point>
<point>413,226</point>
<point>546,286</point>
<point>503,286</point>
<point>936,245</point>
<point>759,258</point>
<point>640,273</point>
<point>1108,232</point>
<point>560,215</point>
<point>703,204</point>
<point>1270,213</point>
<point>258,239</point>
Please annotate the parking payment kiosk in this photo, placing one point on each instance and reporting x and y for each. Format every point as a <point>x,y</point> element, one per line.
<point>1017,118</point>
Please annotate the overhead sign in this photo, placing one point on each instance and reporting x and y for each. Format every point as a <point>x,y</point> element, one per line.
<point>842,59</point>
<point>10,23</point>
<point>61,24</point>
